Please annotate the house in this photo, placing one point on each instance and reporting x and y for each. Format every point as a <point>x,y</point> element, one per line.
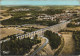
<point>46,17</point>
<point>20,9</point>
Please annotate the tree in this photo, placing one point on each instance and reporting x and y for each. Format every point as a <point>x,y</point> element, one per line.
<point>54,39</point>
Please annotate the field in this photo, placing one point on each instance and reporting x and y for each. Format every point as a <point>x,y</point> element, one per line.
<point>8,31</point>
<point>69,43</point>
<point>73,29</point>
<point>69,46</point>
<point>4,18</point>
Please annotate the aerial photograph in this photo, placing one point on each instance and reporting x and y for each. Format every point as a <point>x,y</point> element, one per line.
<point>39,27</point>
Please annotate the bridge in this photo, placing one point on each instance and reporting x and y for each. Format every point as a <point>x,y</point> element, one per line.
<point>40,32</point>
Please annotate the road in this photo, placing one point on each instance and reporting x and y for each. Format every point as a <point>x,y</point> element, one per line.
<point>38,49</point>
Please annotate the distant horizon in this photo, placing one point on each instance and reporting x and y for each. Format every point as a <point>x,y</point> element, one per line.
<point>39,3</point>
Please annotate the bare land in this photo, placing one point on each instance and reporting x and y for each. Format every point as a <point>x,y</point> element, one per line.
<point>69,46</point>
<point>4,18</point>
<point>2,11</point>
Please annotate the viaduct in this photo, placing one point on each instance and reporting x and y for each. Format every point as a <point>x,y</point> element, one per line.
<point>40,32</point>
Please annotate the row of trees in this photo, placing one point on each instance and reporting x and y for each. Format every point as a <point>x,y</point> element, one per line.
<point>18,47</point>
<point>78,20</point>
<point>76,37</point>
<point>72,25</point>
<point>54,39</point>
<point>30,29</point>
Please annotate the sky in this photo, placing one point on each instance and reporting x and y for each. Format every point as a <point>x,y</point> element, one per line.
<point>39,2</point>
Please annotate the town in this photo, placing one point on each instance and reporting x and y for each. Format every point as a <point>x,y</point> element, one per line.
<point>35,30</point>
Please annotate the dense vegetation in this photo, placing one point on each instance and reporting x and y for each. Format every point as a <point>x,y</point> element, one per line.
<point>53,11</point>
<point>16,17</point>
<point>72,25</point>
<point>78,20</point>
<point>47,11</point>
<point>54,39</point>
<point>18,46</point>
<point>18,21</point>
<point>76,36</point>
<point>30,29</point>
